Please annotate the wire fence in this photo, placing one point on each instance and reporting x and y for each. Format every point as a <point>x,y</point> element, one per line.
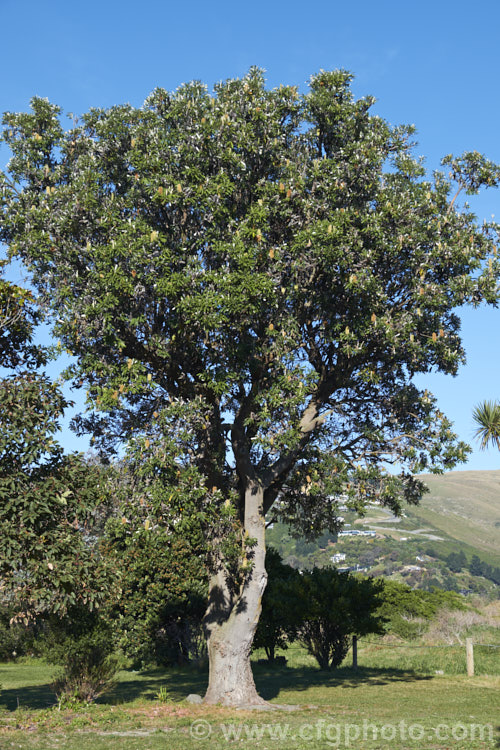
<point>378,644</point>
<point>472,655</point>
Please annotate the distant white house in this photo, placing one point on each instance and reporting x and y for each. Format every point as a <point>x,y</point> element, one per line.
<point>338,557</point>
<point>357,532</point>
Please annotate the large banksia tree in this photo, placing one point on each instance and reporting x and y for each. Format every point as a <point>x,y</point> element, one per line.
<point>248,281</point>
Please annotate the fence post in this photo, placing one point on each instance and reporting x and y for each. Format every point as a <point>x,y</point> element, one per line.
<point>355,652</point>
<point>469,651</point>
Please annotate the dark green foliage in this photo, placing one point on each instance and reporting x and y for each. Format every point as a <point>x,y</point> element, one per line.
<point>82,644</point>
<point>163,593</point>
<point>475,566</point>
<point>281,609</point>
<point>16,639</point>
<point>46,498</point>
<point>456,561</point>
<point>333,607</point>
<point>263,260</point>
<point>478,567</point>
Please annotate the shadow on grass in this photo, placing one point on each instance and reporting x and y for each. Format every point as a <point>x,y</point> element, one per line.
<point>146,684</point>
<point>30,696</point>
<point>270,681</point>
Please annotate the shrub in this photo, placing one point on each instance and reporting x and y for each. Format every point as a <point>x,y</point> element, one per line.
<point>158,617</point>
<point>277,623</point>
<point>16,638</point>
<point>407,611</point>
<point>82,645</point>
<point>336,606</point>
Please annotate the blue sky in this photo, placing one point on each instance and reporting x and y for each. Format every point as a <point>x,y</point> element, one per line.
<point>434,64</point>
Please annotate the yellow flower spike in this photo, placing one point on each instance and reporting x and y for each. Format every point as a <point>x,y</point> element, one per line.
<point>271,253</point>
<point>373,318</point>
<point>271,326</point>
<point>179,187</point>
<point>150,377</point>
<point>147,443</point>
<point>154,235</point>
<point>434,336</point>
<point>130,362</point>
<point>160,190</point>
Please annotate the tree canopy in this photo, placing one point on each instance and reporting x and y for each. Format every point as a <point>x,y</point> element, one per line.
<point>248,280</point>
<point>46,498</point>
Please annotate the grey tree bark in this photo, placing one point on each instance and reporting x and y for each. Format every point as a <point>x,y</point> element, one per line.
<point>232,617</point>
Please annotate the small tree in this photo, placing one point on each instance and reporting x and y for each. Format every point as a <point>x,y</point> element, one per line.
<point>249,281</point>
<point>46,497</point>
<point>81,643</point>
<point>487,417</point>
<point>334,607</point>
<point>158,617</point>
<point>281,608</point>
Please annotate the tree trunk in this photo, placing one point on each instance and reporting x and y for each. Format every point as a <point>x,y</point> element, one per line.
<point>231,619</point>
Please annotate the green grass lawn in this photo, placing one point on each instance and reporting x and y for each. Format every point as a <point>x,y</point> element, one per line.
<point>393,700</point>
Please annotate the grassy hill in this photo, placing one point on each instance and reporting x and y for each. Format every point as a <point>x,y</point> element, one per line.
<point>465,505</point>
<point>460,514</point>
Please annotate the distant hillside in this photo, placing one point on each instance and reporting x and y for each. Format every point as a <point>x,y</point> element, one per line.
<point>465,505</point>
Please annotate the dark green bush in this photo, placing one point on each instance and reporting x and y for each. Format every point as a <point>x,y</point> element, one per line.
<point>280,614</point>
<point>16,638</point>
<point>82,644</point>
<point>158,616</point>
<point>335,607</point>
